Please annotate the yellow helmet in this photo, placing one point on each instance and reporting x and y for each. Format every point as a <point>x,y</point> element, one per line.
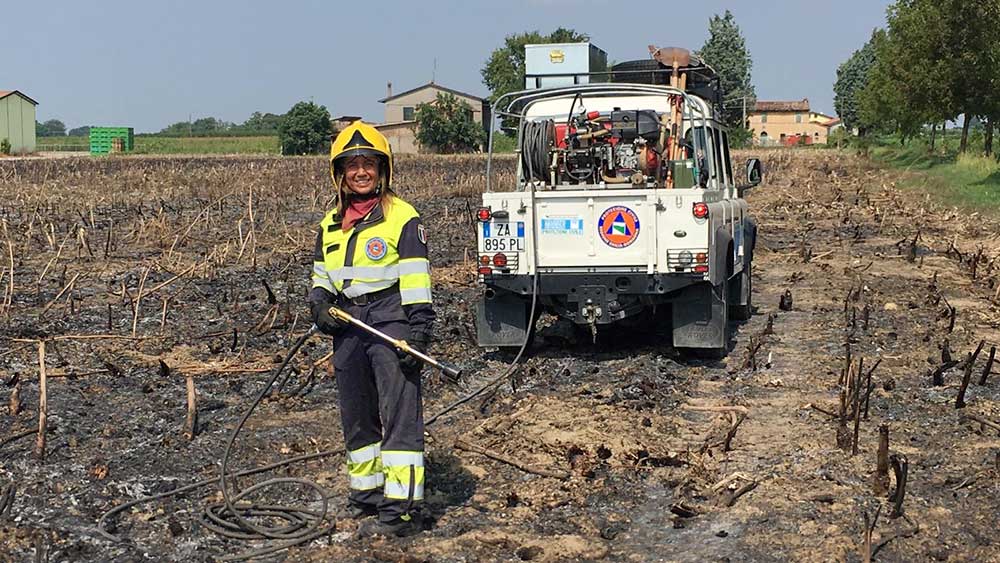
<point>360,138</point>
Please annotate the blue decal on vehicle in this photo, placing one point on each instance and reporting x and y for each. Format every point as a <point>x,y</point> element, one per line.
<point>562,225</point>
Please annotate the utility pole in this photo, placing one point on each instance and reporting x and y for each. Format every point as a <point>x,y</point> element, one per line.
<point>744,111</point>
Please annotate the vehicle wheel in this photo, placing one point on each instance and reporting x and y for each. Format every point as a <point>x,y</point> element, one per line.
<point>742,297</point>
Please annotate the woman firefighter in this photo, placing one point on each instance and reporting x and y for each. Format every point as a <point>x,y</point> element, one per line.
<point>371,261</point>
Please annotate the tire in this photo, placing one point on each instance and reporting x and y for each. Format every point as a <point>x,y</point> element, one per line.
<point>742,295</point>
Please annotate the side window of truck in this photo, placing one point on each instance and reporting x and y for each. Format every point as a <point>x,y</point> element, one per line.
<point>701,144</point>
<point>727,157</point>
<point>717,151</point>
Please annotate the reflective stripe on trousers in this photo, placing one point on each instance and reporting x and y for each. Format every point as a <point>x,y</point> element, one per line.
<point>364,468</point>
<point>404,475</point>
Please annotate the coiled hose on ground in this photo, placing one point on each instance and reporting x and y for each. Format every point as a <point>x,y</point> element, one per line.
<point>298,525</point>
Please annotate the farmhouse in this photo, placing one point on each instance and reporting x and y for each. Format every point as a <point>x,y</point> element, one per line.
<point>17,121</point>
<point>789,123</point>
<point>400,125</point>
<point>340,123</point>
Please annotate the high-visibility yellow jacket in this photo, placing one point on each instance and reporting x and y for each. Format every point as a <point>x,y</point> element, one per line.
<point>387,247</point>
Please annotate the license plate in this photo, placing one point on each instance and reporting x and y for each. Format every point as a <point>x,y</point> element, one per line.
<point>503,236</point>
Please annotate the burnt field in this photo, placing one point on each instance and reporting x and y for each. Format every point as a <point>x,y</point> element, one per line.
<point>144,275</point>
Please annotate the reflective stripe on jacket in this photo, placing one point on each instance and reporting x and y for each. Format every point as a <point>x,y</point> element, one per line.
<point>386,247</point>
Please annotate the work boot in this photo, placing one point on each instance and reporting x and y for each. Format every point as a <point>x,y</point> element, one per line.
<point>403,526</point>
<point>357,511</point>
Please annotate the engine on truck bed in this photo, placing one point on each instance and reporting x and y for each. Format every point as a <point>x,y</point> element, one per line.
<point>630,148</point>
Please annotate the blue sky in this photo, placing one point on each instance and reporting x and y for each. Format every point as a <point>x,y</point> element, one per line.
<point>146,65</point>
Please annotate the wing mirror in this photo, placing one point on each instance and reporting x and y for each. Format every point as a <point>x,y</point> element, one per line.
<point>755,172</point>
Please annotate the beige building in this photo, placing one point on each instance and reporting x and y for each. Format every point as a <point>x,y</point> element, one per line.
<point>789,123</point>
<point>400,125</point>
<point>17,121</point>
<point>340,123</point>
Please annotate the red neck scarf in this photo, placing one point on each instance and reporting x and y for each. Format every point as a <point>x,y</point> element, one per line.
<point>357,208</point>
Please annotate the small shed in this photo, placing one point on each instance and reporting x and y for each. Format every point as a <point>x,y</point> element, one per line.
<point>17,121</point>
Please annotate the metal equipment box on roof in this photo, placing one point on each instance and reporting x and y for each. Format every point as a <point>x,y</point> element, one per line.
<point>551,65</point>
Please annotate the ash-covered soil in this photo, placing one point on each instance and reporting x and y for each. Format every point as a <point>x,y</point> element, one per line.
<point>138,272</point>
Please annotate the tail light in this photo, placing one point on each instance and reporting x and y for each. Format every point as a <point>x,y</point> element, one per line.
<point>484,260</point>
<point>500,260</point>
<point>701,269</point>
<point>484,214</point>
<point>485,270</point>
<point>701,258</point>
<point>700,210</point>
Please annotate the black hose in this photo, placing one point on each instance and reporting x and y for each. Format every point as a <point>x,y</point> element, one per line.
<point>510,369</point>
<point>534,295</point>
<point>296,525</point>
<point>536,140</point>
<point>299,524</point>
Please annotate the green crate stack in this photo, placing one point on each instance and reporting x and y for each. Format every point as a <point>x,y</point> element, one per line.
<point>101,139</point>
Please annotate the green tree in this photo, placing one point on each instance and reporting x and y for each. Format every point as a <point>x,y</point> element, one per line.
<point>446,125</point>
<point>852,76</point>
<point>504,70</point>
<point>263,123</point>
<point>201,127</point>
<point>939,60</point>
<point>305,129</point>
<point>51,128</point>
<point>908,85</point>
<point>209,126</point>
<point>973,37</point>
<point>725,50</point>
<point>83,131</point>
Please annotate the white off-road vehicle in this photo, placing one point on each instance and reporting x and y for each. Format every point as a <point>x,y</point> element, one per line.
<point>625,206</point>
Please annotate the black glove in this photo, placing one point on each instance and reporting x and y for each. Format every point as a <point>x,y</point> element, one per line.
<point>326,322</point>
<point>408,363</point>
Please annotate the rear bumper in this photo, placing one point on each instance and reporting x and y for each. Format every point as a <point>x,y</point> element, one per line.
<point>623,283</point>
<point>592,298</point>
